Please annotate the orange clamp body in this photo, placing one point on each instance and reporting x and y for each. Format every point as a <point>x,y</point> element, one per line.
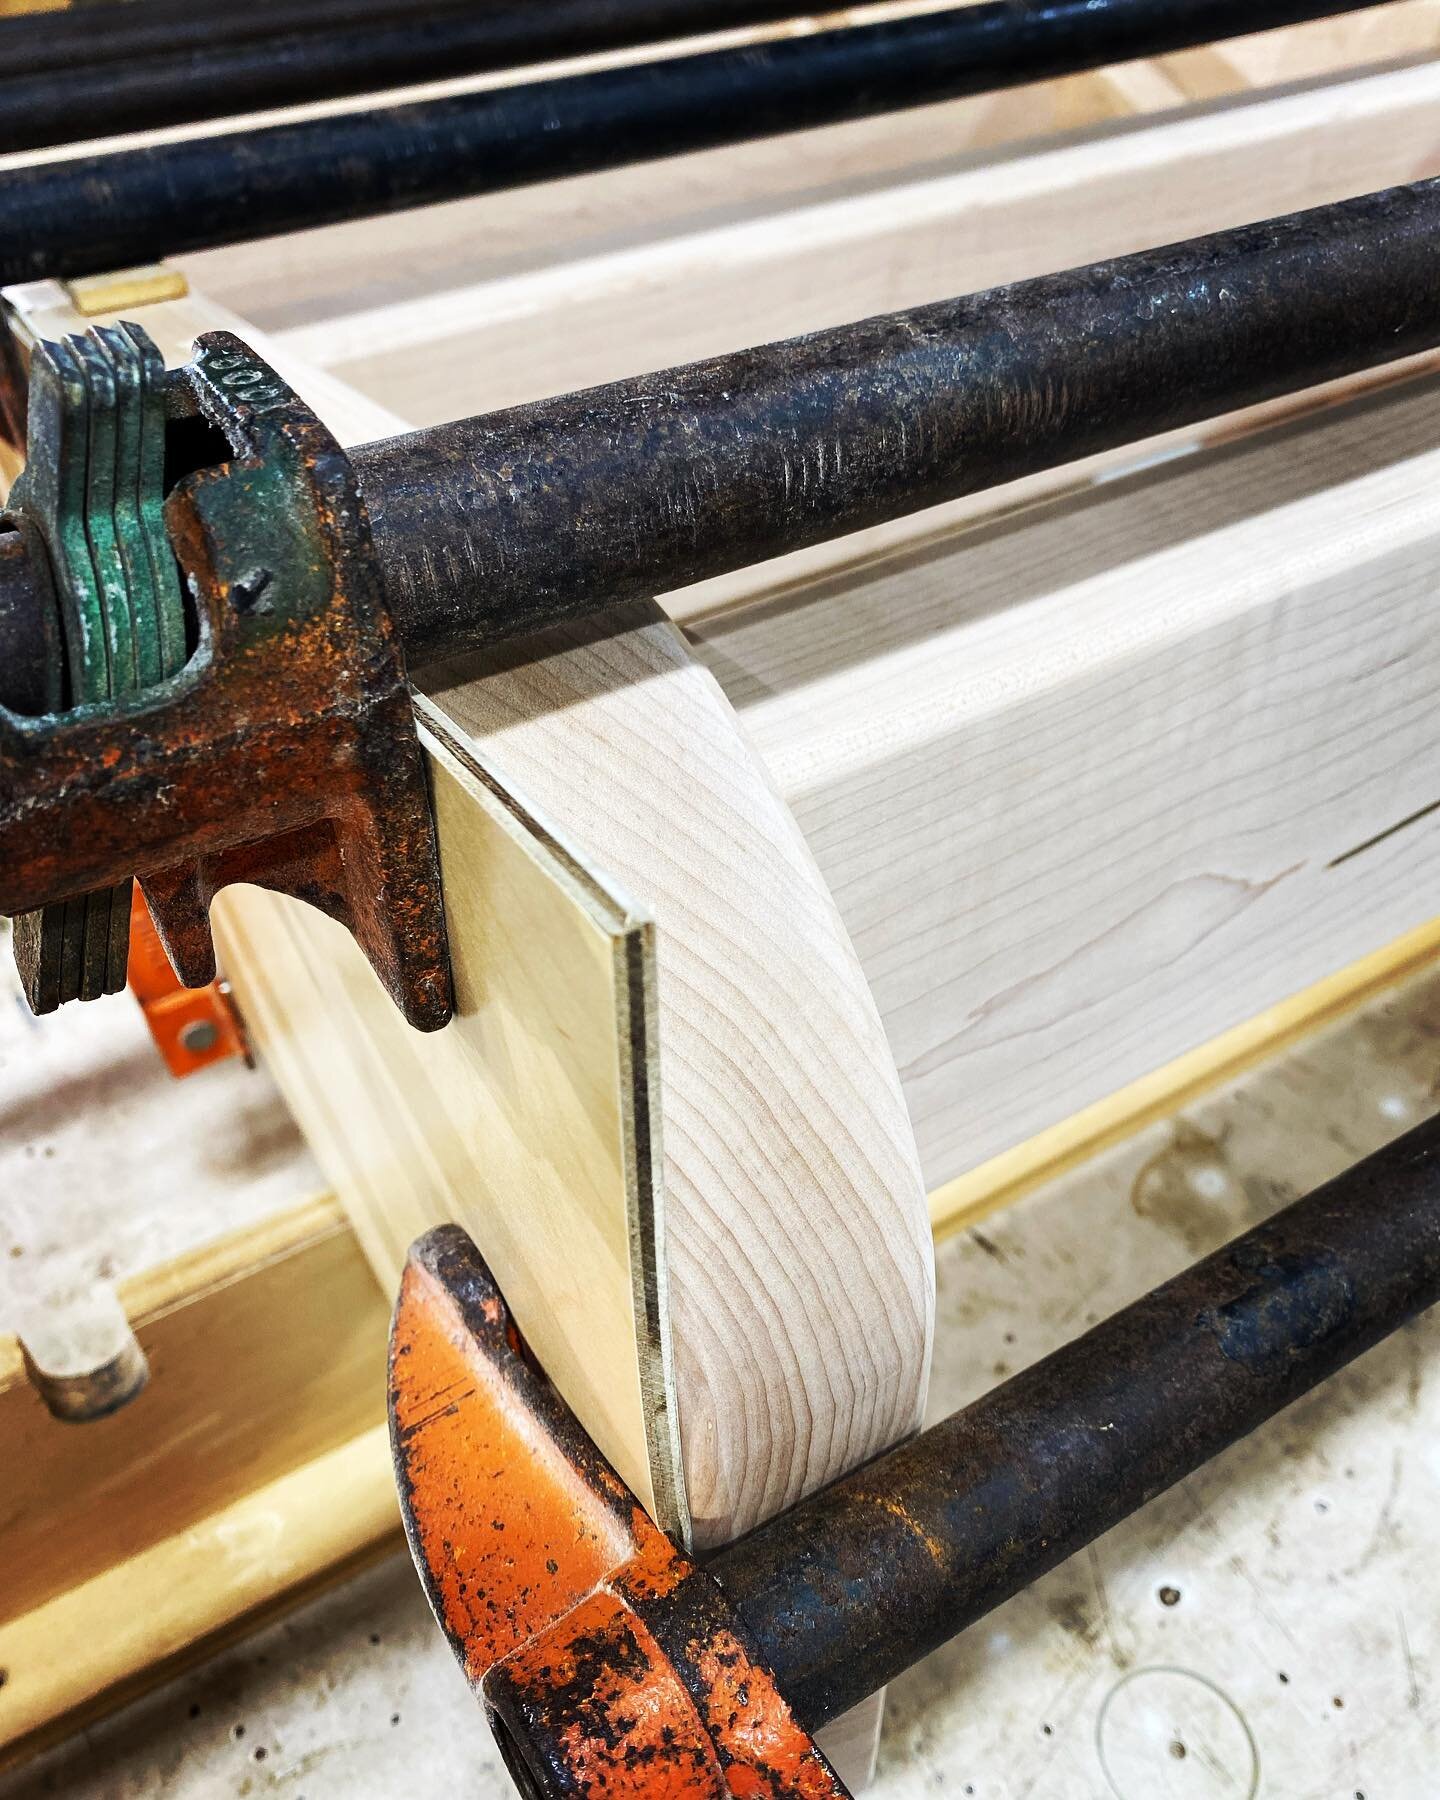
<point>192,1027</point>
<point>608,1663</point>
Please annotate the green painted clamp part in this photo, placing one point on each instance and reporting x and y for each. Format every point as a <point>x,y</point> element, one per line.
<point>284,753</point>
<point>93,488</point>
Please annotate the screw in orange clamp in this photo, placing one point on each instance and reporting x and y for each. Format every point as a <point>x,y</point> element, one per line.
<point>193,1027</point>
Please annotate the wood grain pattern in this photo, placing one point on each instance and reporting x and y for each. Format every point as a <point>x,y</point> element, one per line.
<point>327,274</point>
<point>213,1495</point>
<point>789,1225</point>
<point>719,281</point>
<point>992,1186</point>
<point>1097,184</point>
<point>773,1319</point>
<point>1123,756</point>
<point>78,1498</point>
<point>94,1646</point>
<point>789,1203</point>
<point>799,1266</point>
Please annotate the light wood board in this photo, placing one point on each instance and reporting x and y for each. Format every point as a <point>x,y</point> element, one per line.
<point>685,1153</point>
<point>578,223</point>
<point>1039,208</point>
<point>529,1119</point>
<point>803,702</point>
<point>789,1173</point>
<point>994,1185</point>
<point>329,1348</point>
<point>1123,756</point>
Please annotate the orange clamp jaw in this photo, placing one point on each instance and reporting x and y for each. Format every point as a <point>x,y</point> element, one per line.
<point>192,1027</point>
<point>608,1663</point>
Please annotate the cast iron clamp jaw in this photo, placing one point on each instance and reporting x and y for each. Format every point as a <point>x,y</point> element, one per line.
<point>225,699</point>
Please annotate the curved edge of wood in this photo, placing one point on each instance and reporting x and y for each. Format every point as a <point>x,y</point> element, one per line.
<point>791,1224</point>
<point>631,933</point>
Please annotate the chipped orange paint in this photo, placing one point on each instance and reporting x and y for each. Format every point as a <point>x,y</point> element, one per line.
<point>174,1012</point>
<point>608,1662</point>
<point>634,1730</point>
<point>750,1720</point>
<point>598,1697</point>
<point>510,1536</point>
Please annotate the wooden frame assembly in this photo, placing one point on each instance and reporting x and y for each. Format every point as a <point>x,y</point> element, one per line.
<point>896,855</point>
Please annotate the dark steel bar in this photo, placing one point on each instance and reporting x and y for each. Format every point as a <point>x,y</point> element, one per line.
<point>848,1589</point>
<point>505,524</point>
<point>97,212</point>
<point>29,656</point>
<point>514,521</point>
<point>209,80</point>
<point>33,42</point>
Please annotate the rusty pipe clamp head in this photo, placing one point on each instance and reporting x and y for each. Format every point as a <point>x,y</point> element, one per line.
<point>608,1663</point>
<point>226,699</point>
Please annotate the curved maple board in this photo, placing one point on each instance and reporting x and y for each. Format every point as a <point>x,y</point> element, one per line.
<point>673,1123</point>
<point>790,1221</point>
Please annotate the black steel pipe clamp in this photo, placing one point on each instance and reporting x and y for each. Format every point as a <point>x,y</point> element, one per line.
<point>856,1584</point>
<point>130,206</point>
<point>523,518</point>
<point>122,75</point>
<point>499,526</point>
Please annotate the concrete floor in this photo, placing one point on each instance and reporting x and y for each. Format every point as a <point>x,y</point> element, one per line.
<point>1269,1628</point>
<point>97,1179</point>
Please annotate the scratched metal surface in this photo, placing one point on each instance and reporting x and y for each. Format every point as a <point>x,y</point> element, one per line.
<point>1269,1629</point>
